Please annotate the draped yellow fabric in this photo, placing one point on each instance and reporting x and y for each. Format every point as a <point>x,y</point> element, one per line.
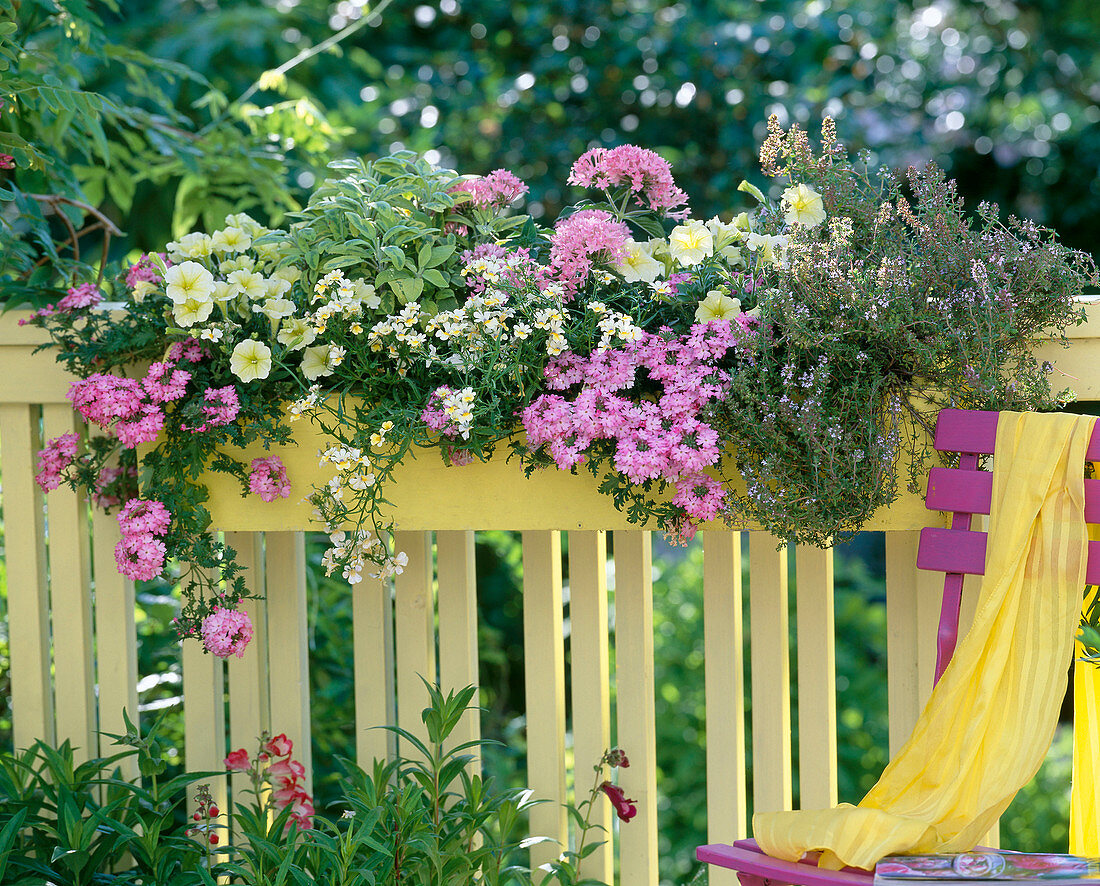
<point>991,718</point>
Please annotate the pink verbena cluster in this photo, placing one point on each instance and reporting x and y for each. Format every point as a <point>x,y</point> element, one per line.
<point>436,416</point>
<point>86,295</point>
<point>191,350</point>
<point>664,439</point>
<point>145,271</point>
<point>268,478</point>
<point>130,409</point>
<point>582,238</point>
<point>647,175</point>
<point>285,775</point>
<point>496,190</point>
<point>226,632</point>
<point>140,553</point>
<point>220,408</point>
<point>54,459</point>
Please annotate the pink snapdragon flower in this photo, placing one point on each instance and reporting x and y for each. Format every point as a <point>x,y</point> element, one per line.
<point>647,175</point>
<point>496,190</point>
<point>54,459</point>
<point>585,237</point>
<point>226,632</point>
<point>268,478</point>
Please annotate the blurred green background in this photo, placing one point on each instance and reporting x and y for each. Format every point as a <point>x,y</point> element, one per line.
<point>158,114</point>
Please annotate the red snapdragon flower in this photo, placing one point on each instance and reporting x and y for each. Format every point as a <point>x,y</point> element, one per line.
<point>238,761</point>
<point>279,746</point>
<point>624,807</point>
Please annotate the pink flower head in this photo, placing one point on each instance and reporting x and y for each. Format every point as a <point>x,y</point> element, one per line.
<point>7,161</point>
<point>221,406</point>
<point>647,175</point>
<point>238,761</point>
<point>585,237</point>
<point>86,295</point>
<point>145,270</point>
<point>140,516</point>
<point>54,459</point>
<point>162,384</point>
<point>286,770</point>
<point>495,191</point>
<point>226,632</point>
<point>624,807</point>
<point>268,478</point>
<point>140,557</point>
<point>279,746</point>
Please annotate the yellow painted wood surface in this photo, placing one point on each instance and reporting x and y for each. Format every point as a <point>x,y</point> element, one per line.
<point>372,627</point>
<point>116,637</point>
<point>723,646</point>
<point>457,604</point>
<point>817,775</point>
<point>70,604</point>
<point>544,687</point>
<point>287,632</point>
<point>635,706</point>
<point>414,632</point>
<point>204,724</point>
<point>249,708</point>
<point>28,600</point>
<point>591,682</point>
<point>771,696</point>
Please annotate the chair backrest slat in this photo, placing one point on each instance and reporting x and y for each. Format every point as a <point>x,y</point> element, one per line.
<point>966,491</point>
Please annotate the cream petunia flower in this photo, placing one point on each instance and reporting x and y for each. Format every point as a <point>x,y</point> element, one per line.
<point>690,243</point>
<point>639,264</point>
<point>230,239</point>
<point>275,308</point>
<point>250,360</point>
<point>188,280</point>
<point>318,361</point>
<point>193,310</point>
<point>804,206</point>
<point>717,306</point>
<point>296,333</point>
<point>193,245</point>
<point>248,283</point>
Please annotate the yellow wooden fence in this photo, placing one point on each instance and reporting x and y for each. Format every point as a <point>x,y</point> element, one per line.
<point>70,620</point>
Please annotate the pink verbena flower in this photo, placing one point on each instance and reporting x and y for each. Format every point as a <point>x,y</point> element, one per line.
<point>54,459</point>
<point>647,175</point>
<point>226,632</point>
<point>496,190</point>
<point>221,407</point>
<point>162,384</point>
<point>268,478</point>
<point>86,295</point>
<point>145,271</point>
<point>140,557</point>
<point>585,237</point>
<point>143,516</point>
<point>108,483</point>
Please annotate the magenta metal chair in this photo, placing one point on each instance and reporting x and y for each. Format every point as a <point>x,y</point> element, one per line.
<point>959,551</point>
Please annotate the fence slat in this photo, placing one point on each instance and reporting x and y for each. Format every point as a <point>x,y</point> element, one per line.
<point>204,721</point>
<point>288,644</point>
<point>635,708</point>
<point>414,630</point>
<point>723,653</point>
<point>28,601</point>
<point>458,648</point>
<point>771,680</point>
<point>372,625</point>
<point>116,635</point>
<point>912,609</point>
<point>544,680</point>
<point>70,603</point>
<point>249,713</point>
<point>590,673</point>
<point>817,776</point>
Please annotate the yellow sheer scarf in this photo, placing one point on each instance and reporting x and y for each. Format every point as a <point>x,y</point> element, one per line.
<point>991,718</point>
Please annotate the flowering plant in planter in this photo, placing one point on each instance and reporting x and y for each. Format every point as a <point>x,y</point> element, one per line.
<point>798,343</point>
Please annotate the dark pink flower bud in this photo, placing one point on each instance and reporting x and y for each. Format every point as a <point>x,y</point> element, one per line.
<point>624,807</point>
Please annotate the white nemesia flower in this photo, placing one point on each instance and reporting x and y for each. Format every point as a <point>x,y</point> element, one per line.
<point>250,360</point>
<point>188,280</point>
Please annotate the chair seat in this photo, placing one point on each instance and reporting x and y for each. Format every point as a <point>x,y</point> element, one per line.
<point>747,858</point>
